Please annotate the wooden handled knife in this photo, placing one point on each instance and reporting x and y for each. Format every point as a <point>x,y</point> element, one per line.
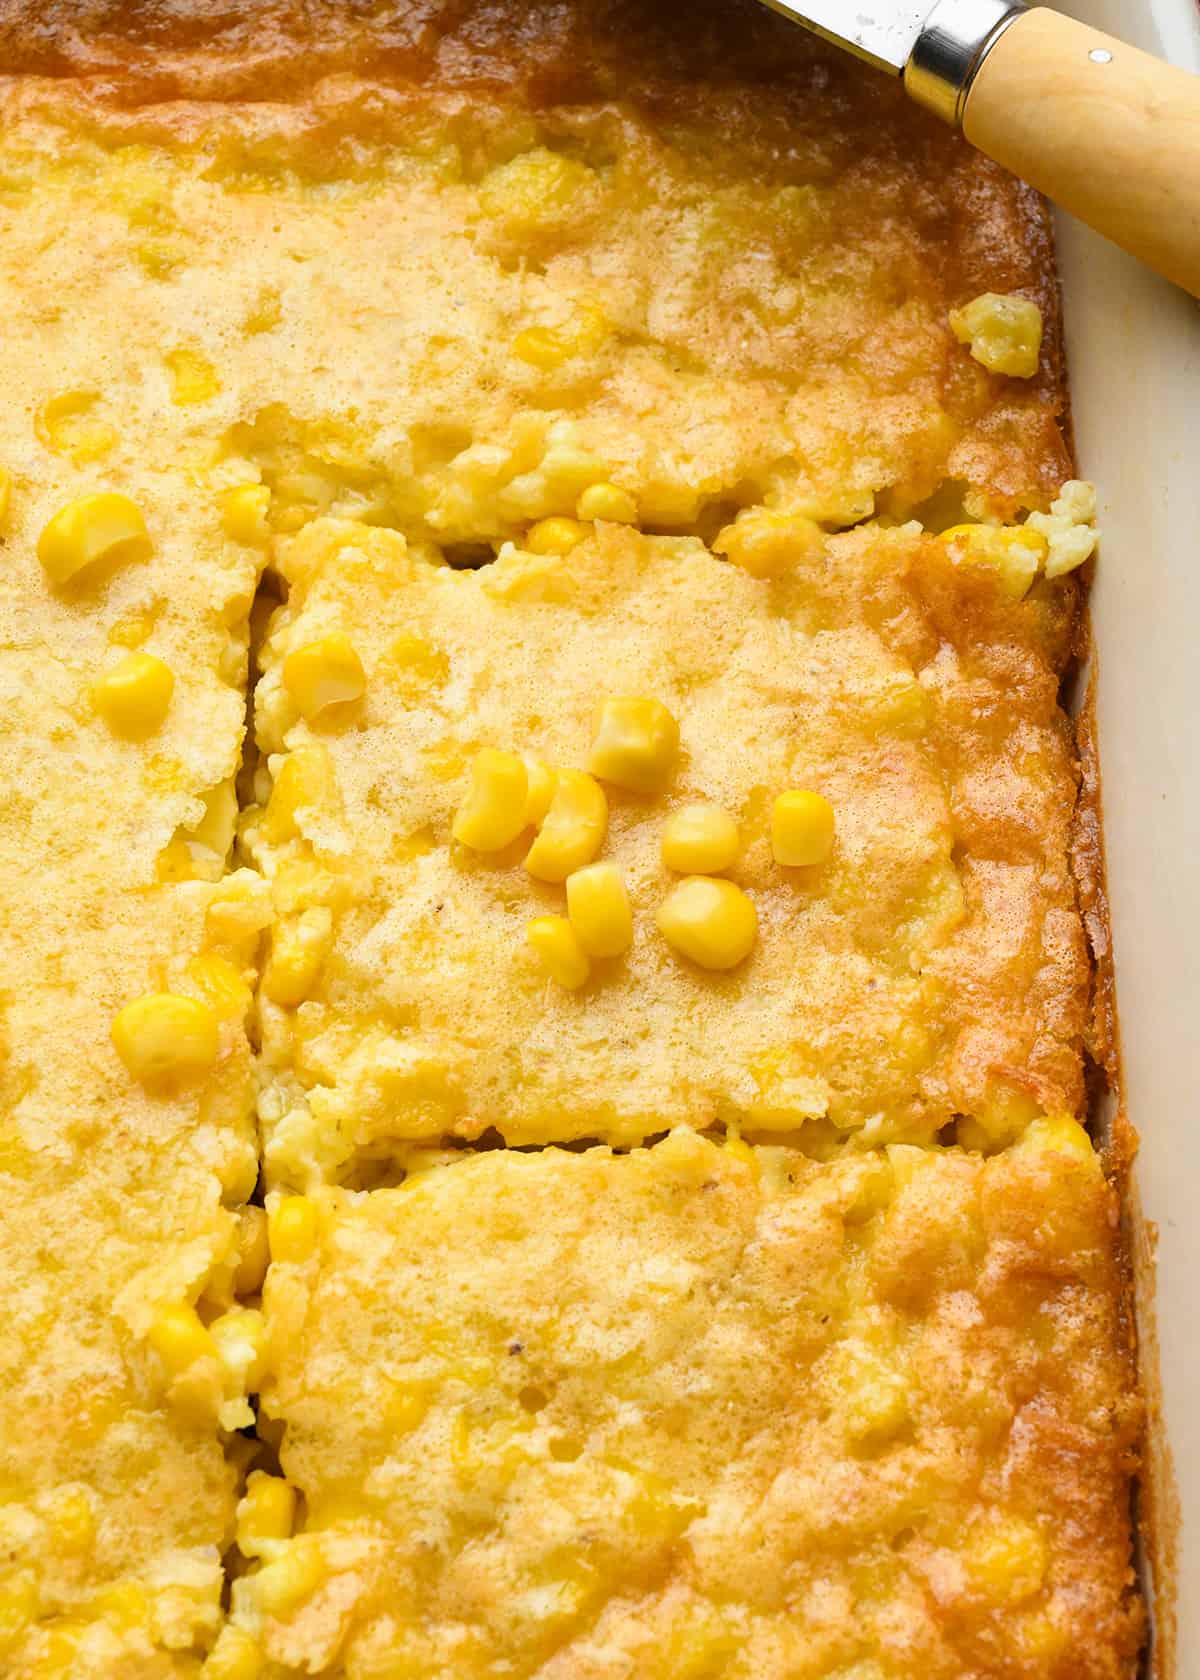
<point>1108,132</point>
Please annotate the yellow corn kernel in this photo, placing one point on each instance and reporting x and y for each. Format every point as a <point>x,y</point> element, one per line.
<point>541,347</point>
<point>743,1152</point>
<point>1007,1558</point>
<point>68,424</point>
<point>266,1511</point>
<point>222,984</point>
<point>124,1605</point>
<point>105,526</point>
<point>304,781</point>
<point>556,944</point>
<point>164,1036</point>
<point>239,909</point>
<point>292,1229</point>
<point>493,813</point>
<point>636,745</point>
<point>767,544</point>
<point>179,1338</point>
<point>134,696</point>
<point>235,1656</point>
<point>253,1251</point>
<point>801,828</point>
<point>700,840</point>
<point>607,501</point>
<point>534,187</point>
<point>240,1338</point>
<point>71,1519</point>
<point>323,674</point>
<point>572,830</point>
<point>1016,552</point>
<point>5,493</point>
<point>598,909</point>
<point>294,1574</point>
<point>709,920</point>
<point>244,514</point>
<point>193,377</point>
<point>540,791</point>
<point>131,632</point>
<point>1059,1132</point>
<point>299,946</point>
<point>1004,332</point>
<point>555,535</point>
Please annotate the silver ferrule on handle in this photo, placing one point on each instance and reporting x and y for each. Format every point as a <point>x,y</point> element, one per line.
<point>954,41</point>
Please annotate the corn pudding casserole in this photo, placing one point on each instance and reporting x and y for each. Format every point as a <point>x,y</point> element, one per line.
<point>547,1008</point>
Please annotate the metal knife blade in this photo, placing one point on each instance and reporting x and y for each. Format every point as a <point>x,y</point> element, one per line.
<point>881,32</point>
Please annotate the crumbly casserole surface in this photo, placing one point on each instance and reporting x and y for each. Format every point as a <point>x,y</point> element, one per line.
<point>431,1247</point>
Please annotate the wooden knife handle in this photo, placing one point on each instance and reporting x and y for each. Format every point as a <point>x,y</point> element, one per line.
<point>1108,132</point>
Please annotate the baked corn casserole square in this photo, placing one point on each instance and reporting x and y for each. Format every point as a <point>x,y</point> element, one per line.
<point>927,970</point>
<point>773,1417</point>
<point>545,1036</point>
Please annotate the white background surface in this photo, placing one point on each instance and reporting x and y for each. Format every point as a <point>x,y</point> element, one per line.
<point>1133,346</point>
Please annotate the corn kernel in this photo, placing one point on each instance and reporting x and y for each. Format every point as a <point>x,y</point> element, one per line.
<point>743,1152</point>
<point>541,782</point>
<point>266,1511</point>
<point>1015,551</point>
<point>1004,332</point>
<point>134,696</point>
<point>556,944</point>
<point>18,1608</point>
<point>70,1516</point>
<point>541,347</point>
<point>292,1229</point>
<point>253,1251</point>
<point>1007,1558</point>
<point>299,946</point>
<point>1058,1132</point>
<point>598,909</point>
<point>766,544</point>
<point>68,424</point>
<point>572,830</point>
<point>709,920</point>
<point>239,909</point>
<point>534,187</point>
<point>493,813</point>
<point>700,840</point>
<point>555,535</point>
<point>125,1605</point>
<point>5,493</point>
<point>179,1338</point>
<point>240,1338</point>
<point>323,674</point>
<point>235,1656</point>
<point>296,1573</point>
<point>607,501</point>
<point>244,514</point>
<point>163,1036</point>
<point>222,984</point>
<point>801,828</point>
<point>304,781</point>
<point>105,526</point>
<point>636,745</point>
<point>193,377</point>
<point>131,632</point>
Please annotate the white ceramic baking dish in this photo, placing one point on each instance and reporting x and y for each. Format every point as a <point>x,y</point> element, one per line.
<point>1133,346</point>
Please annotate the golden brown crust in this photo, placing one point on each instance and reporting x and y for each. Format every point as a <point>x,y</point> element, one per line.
<point>735,66</point>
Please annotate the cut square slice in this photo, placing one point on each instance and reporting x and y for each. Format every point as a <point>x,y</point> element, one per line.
<point>702,1411</point>
<point>931,966</point>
